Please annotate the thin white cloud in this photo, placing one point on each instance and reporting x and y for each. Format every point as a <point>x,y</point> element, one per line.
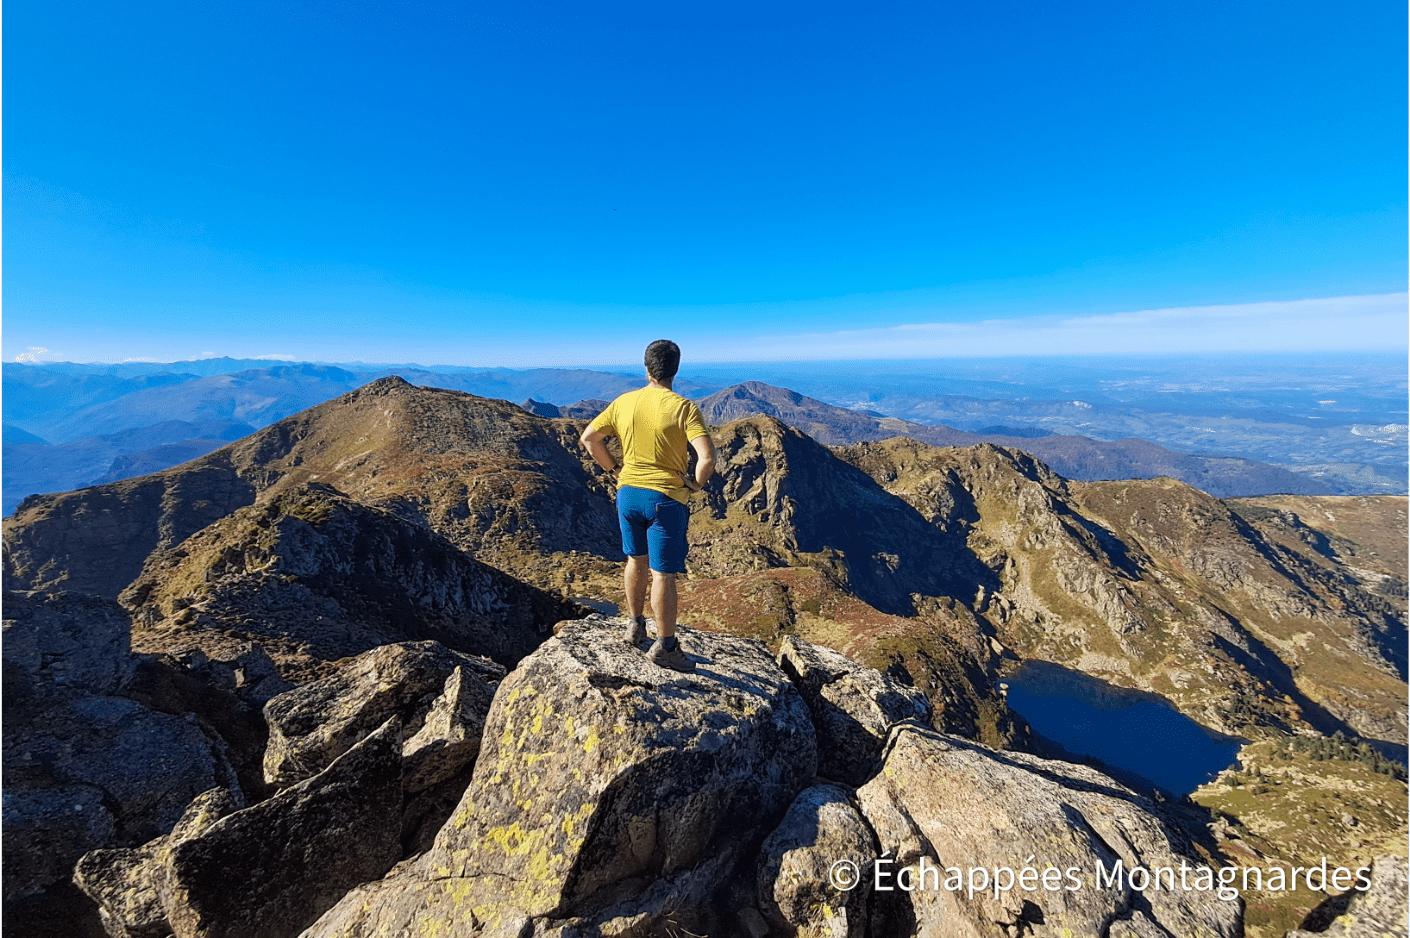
<point>1332,324</point>
<point>275,358</point>
<point>34,354</point>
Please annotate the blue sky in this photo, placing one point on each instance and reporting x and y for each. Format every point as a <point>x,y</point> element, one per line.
<point>529,183</point>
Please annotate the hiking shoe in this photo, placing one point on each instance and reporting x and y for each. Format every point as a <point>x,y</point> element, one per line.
<point>635,632</point>
<point>675,659</point>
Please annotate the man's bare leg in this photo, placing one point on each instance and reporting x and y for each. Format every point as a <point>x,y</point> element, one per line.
<point>667,652</point>
<point>664,602</point>
<point>634,586</point>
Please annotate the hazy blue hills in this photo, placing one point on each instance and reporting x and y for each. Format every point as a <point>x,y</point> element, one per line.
<point>1075,457</point>
<point>1340,425</point>
<point>59,467</point>
<point>60,403</point>
<point>1340,419</point>
<point>16,435</point>
<point>62,407</point>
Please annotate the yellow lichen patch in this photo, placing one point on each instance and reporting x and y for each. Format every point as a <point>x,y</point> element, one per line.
<point>526,690</point>
<point>592,741</point>
<point>572,820</point>
<point>513,840</point>
<point>541,866</point>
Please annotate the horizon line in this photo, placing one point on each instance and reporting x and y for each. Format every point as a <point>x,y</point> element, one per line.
<point>749,362</point>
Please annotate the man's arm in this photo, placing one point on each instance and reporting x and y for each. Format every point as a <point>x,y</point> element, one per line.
<point>593,440</point>
<point>704,462</point>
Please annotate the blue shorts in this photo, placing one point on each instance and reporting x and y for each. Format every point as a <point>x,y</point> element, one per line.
<point>653,523</point>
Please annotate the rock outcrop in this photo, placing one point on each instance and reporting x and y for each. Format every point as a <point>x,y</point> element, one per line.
<point>611,796</point>
<point>957,806</point>
<point>199,690</point>
<point>823,843</point>
<point>246,671</point>
<point>94,540</point>
<point>607,790</point>
<point>121,881</point>
<point>449,738</point>
<point>85,768</point>
<point>270,870</point>
<point>1379,912</point>
<point>781,499</point>
<point>853,708</point>
<point>314,576</point>
<point>62,646</point>
<point>312,725</point>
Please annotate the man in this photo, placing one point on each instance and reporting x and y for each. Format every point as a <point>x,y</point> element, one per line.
<point>657,428</point>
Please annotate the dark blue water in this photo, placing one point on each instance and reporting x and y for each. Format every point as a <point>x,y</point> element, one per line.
<point>1134,731</point>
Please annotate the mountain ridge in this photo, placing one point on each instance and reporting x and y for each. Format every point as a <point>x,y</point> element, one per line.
<point>61,403</point>
<point>1075,457</point>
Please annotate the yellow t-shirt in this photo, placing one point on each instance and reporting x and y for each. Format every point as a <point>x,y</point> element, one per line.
<point>655,427</point>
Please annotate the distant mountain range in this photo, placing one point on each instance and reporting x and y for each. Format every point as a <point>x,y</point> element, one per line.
<point>117,422</point>
<point>103,422</point>
<point>1075,457</point>
<point>36,466</point>
<point>60,404</point>
<point>582,410</point>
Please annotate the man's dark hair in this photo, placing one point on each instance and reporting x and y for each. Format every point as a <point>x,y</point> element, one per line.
<point>663,357</point>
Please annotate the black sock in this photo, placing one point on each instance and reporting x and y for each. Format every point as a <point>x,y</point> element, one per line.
<point>639,620</point>
<point>669,643</point>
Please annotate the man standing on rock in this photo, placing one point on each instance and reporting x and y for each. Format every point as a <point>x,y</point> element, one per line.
<point>657,428</point>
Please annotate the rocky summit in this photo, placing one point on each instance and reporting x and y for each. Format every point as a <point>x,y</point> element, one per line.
<point>340,678</point>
